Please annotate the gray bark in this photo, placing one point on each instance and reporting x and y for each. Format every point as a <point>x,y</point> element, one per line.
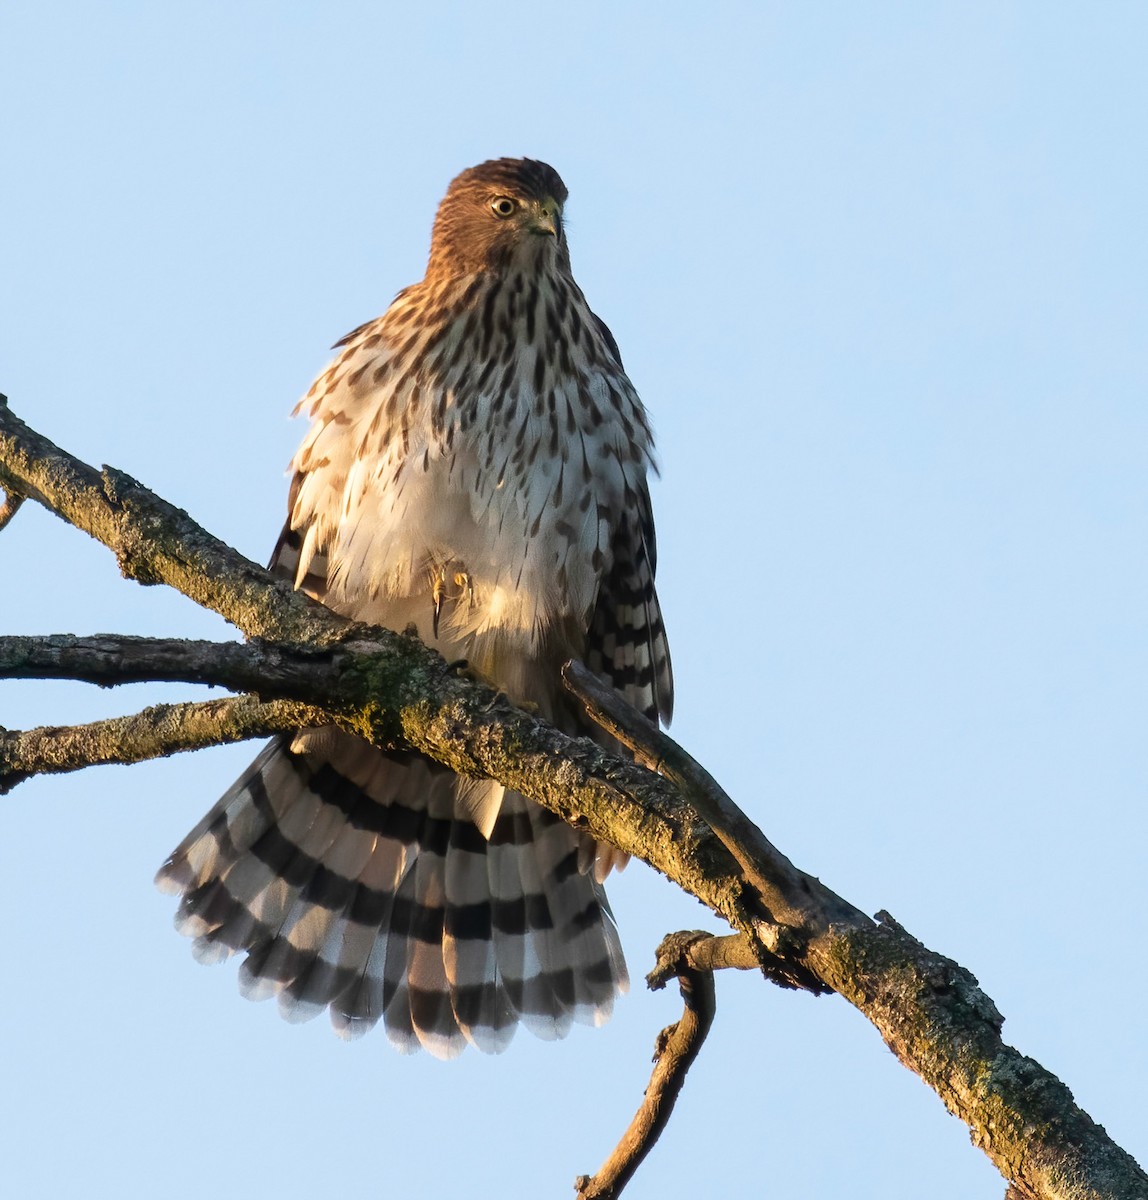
<point>310,665</point>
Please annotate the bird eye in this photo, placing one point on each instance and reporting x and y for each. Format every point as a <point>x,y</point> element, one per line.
<point>502,206</point>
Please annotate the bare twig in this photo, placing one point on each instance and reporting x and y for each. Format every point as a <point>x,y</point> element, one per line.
<point>675,1050</point>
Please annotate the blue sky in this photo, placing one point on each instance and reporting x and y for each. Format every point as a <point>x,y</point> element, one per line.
<point>879,274</point>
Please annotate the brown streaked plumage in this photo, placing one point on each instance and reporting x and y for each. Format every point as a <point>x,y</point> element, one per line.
<point>476,468</point>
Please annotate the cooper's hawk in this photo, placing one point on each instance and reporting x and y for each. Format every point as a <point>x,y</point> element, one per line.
<point>476,468</point>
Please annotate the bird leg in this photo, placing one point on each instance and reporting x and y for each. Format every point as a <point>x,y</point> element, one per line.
<point>464,591</point>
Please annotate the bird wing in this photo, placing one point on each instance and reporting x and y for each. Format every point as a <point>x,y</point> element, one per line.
<point>626,643</point>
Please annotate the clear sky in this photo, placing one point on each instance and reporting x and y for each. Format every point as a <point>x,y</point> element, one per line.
<point>879,273</point>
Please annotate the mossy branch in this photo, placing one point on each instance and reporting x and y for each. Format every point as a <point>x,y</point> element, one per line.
<point>304,663</point>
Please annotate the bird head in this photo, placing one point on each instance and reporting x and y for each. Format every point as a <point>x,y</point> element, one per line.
<point>503,211</point>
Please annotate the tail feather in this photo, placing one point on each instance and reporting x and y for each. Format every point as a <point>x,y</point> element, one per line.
<point>226,832</point>
<point>481,1005</point>
<point>288,922</point>
<point>345,942</point>
<point>582,928</point>
<point>290,961</point>
<point>360,882</point>
<point>509,929</point>
<point>357,1006</point>
<point>419,962</point>
<point>547,992</point>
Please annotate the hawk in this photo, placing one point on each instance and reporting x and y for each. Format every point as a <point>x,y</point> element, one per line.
<point>476,468</point>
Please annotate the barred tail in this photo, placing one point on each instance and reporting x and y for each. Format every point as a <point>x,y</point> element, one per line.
<point>359,881</point>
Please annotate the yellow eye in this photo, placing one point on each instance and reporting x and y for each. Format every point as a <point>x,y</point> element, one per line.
<point>503,206</point>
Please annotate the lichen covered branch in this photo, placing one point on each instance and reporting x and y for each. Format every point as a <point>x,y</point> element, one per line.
<point>390,689</point>
<point>155,542</point>
<point>157,731</point>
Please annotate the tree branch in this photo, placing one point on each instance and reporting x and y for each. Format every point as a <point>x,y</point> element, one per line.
<point>391,689</point>
<point>10,507</point>
<point>765,868</point>
<point>675,1051</point>
<point>109,659</point>
<point>155,542</point>
<point>153,733</point>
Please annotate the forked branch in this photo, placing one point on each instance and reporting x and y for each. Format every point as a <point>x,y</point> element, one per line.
<point>391,689</point>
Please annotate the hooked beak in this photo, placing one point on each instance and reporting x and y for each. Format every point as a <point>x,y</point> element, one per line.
<point>548,219</point>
